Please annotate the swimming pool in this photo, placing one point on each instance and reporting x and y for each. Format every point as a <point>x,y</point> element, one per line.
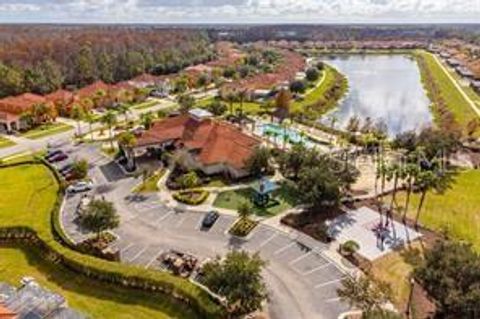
<point>279,134</point>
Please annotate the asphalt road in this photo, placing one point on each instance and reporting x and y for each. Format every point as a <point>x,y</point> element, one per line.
<point>301,280</point>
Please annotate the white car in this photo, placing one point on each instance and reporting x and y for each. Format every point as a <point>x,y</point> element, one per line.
<point>80,187</point>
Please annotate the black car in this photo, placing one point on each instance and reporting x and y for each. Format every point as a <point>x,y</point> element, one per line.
<point>210,219</point>
<point>52,153</point>
<point>65,169</point>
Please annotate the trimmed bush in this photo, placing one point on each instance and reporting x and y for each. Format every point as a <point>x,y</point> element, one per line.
<point>349,247</point>
<point>242,227</point>
<point>191,197</point>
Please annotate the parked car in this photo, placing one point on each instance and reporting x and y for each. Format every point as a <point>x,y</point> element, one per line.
<point>52,153</point>
<point>65,169</point>
<point>210,219</point>
<point>70,175</point>
<point>80,187</point>
<point>57,157</point>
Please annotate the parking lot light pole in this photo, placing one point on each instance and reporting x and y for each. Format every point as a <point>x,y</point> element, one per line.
<point>410,296</point>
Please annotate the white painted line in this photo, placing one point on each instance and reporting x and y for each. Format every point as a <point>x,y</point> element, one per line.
<point>127,247</point>
<point>153,259</point>
<point>328,283</point>
<point>300,258</point>
<point>180,222</point>
<point>138,254</point>
<point>308,272</point>
<point>162,218</point>
<point>280,250</point>
<point>267,240</point>
<point>333,299</point>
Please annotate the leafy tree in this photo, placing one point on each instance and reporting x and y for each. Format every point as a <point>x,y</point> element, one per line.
<point>451,275</point>
<point>217,108</point>
<point>135,63</point>
<point>186,102</point>
<point>318,187</point>
<point>77,114</point>
<point>109,119</point>
<point>80,168</point>
<point>85,66</point>
<point>298,86</point>
<point>11,81</point>
<point>124,109</point>
<point>147,120</point>
<point>283,99</point>
<point>349,247</point>
<point>312,74</point>
<point>381,314</point>
<point>292,161</point>
<point>353,124</point>
<point>105,67</point>
<point>202,81</point>
<point>180,85</point>
<point>188,180</point>
<point>259,162</point>
<point>237,277</point>
<point>126,139</point>
<point>99,216</point>
<point>229,72</point>
<point>365,293</point>
<point>437,143</point>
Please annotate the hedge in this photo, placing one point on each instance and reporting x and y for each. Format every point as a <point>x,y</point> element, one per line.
<point>124,275</point>
<point>182,197</point>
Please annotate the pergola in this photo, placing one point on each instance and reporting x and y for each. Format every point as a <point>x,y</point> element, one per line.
<point>263,190</point>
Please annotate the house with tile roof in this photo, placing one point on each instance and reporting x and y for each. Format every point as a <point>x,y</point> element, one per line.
<point>204,143</point>
<point>13,107</point>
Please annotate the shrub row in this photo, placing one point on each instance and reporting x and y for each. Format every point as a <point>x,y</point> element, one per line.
<point>191,197</point>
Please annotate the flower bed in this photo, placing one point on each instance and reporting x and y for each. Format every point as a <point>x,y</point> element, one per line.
<point>242,227</point>
<point>191,197</point>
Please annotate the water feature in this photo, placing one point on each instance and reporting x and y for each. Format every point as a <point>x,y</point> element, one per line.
<point>386,87</point>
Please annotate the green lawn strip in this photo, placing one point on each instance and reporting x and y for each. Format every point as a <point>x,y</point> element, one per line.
<point>457,210</point>
<point>5,142</point>
<point>150,184</point>
<point>145,105</point>
<point>327,80</point>
<point>92,298</point>
<point>29,194</point>
<point>283,199</point>
<point>454,100</point>
<point>46,130</point>
<point>474,96</point>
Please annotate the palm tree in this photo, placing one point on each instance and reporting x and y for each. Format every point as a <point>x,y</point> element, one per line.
<point>88,117</point>
<point>244,210</point>
<point>242,95</point>
<point>40,110</point>
<point>98,97</point>
<point>230,98</point>
<point>426,180</point>
<point>147,119</point>
<point>109,119</point>
<point>77,114</point>
<point>411,173</point>
<point>124,109</point>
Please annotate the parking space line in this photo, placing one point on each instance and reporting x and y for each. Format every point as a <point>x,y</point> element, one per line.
<point>162,218</point>
<point>328,283</point>
<point>333,299</point>
<point>267,240</point>
<point>127,247</point>
<point>281,250</point>
<point>300,258</point>
<point>155,256</point>
<point>316,268</point>
<point>138,254</point>
<point>180,222</point>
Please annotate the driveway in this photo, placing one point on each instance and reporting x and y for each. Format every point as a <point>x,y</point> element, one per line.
<point>301,279</point>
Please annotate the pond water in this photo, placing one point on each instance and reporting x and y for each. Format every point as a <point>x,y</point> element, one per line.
<point>382,87</point>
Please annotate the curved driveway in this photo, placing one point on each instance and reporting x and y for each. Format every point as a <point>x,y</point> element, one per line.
<point>301,280</point>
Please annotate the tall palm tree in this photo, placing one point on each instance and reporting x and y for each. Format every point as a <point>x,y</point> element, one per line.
<point>242,95</point>
<point>230,97</point>
<point>124,109</point>
<point>77,114</point>
<point>88,117</point>
<point>426,180</point>
<point>411,173</point>
<point>109,120</point>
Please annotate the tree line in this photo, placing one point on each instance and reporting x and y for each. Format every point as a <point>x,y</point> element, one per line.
<point>42,61</point>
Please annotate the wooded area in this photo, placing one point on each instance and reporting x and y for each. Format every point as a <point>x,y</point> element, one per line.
<point>42,59</point>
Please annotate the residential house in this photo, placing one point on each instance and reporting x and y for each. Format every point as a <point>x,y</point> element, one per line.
<point>203,143</point>
<point>13,108</point>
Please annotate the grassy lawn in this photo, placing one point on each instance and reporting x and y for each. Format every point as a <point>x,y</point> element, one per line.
<point>283,200</point>
<point>85,295</point>
<point>457,210</point>
<point>5,142</point>
<point>395,269</point>
<point>144,105</point>
<point>454,100</point>
<point>46,130</point>
<point>28,193</point>
<point>150,184</point>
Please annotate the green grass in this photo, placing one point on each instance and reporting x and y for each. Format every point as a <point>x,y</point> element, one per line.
<point>96,300</point>
<point>46,130</point>
<point>282,200</point>
<point>28,195</point>
<point>144,105</point>
<point>150,184</point>
<point>5,142</point>
<point>457,210</point>
<point>454,100</point>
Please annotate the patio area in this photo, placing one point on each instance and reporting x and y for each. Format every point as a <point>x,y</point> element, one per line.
<point>361,225</point>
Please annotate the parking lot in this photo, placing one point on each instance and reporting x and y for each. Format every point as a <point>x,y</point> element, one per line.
<point>301,280</point>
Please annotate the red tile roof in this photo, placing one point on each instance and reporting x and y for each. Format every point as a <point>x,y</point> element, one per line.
<point>217,142</point>
<point>62,96</point>
<point>20,103</point>
<point>5,313</point>
<point>92,89</point>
